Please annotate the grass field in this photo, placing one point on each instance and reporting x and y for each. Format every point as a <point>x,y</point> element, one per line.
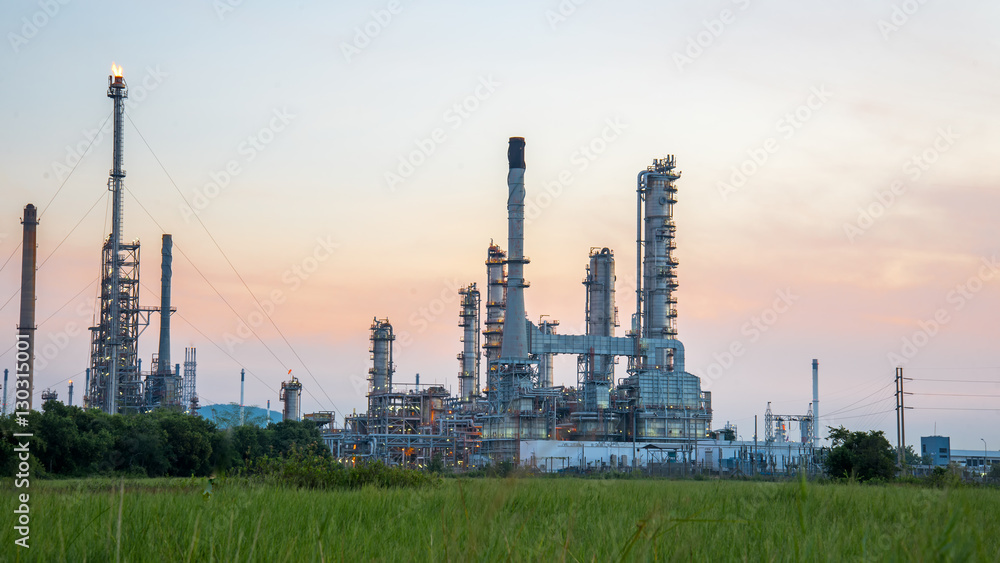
<point>511,520</point>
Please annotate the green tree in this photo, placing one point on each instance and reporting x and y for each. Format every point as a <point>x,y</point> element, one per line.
<point>140,445</point>
<point>303,434</point>
<point>913,459</point>
<point>861,455</point>
<point>188,446</point>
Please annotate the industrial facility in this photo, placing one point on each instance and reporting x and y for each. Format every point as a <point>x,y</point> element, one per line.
<point>115,380</point>
<point>656,414</point>
<point>508,408</point>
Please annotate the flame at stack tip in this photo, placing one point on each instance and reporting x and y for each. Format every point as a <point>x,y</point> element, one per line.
<point>116,70</point>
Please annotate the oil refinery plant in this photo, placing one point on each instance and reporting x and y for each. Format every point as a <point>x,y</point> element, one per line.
<point>508,408</point>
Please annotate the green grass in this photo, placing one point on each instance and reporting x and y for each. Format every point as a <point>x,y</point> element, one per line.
<point>515,519</point>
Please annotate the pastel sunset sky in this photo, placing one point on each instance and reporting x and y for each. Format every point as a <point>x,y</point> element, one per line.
<point>348,160</point>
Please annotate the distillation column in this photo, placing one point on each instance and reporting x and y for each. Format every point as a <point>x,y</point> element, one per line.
<point>381,349</point>
<point>546,362</point>
<point>659,278</point>
<point>496,305</point>
<point>291,397</point>
<point>602,318</point>
<point>468,376</point>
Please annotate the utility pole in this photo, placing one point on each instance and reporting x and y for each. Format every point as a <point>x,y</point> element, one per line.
<point>900,420</point>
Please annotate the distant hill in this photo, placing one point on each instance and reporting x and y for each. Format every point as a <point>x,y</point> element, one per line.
<point>223,414</point>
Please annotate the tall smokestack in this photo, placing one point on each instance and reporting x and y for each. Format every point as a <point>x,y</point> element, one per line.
<point>243,378</point>
<point>163,357</point>
<point>514,348</point>
<point>26,327</point>
<point>816,427</point>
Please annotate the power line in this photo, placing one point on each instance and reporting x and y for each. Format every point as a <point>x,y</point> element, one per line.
<point>869,414</point>
<point>103,195</point>
<point>87,150</point>
<point>224,300</point>
<point>886,386</point>
<point>951,395</point>
<point>235,271</point>
<point>951,409</point>
<point>956,380</point>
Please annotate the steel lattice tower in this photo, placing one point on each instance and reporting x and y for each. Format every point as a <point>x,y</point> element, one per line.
<point>115,385</point>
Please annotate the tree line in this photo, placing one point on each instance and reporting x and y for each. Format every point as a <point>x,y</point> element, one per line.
<point>73,442</point>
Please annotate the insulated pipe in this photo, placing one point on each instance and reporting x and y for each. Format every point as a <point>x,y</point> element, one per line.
<point>514,348</point>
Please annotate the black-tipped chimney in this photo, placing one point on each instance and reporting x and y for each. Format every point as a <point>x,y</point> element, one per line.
<point>515,152</point>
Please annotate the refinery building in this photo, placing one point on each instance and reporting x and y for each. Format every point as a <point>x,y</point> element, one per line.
<point>508,408</point>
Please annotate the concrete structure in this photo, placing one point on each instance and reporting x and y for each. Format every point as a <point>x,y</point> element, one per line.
<point>977,460</point>
<point>26,327</point>
<point>939,447</point>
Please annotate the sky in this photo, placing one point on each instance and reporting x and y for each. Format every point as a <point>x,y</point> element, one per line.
<point>334,162</point>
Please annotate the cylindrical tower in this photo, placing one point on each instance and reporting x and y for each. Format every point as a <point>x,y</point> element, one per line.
<point>26,327</point>
<point>659,278</point>
<point>166,272</point>
<point>602,318</point>
<point>496,304</point>
<point>381,350</point>
<point>545,361</point>
<point>602,314</point>
<point>291,397</point>
<point>468,376</point>
<point>514,348</point>
<point>815,408</point>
